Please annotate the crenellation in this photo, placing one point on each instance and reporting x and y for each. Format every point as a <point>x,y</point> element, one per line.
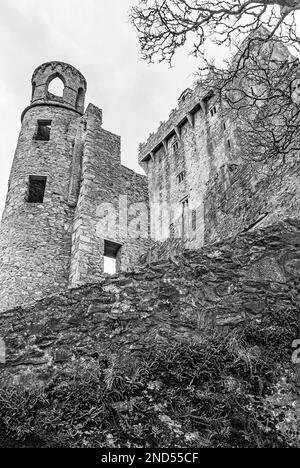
<point>178,116</point>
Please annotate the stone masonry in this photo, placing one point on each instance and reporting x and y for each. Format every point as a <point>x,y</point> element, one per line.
<point>71,202</point>
<point>200,188</point>
<point>50,243</point>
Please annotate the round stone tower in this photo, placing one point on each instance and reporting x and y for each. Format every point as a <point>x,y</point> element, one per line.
<point>35,233</point>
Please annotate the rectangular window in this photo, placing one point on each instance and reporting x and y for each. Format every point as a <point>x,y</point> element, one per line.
<point>175,146</point>
<point>111,251</point>
<point>43,130</point>
<point>181,177</point>
<point>36,191</point>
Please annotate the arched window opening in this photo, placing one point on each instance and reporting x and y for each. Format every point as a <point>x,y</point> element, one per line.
<point>33,89</point>
<point>80,99</point>
<point>56,87</point>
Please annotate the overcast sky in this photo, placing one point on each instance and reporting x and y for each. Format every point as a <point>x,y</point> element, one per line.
<point>96,37</point>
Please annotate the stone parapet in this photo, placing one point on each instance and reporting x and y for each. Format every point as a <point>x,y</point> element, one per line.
<point>189,103</point>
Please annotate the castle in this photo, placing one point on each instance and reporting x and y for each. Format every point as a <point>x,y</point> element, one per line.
<point>71,202</point>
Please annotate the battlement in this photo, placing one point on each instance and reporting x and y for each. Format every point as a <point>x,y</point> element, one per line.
<point>189,102</point>
<point>73,82</point>
<point>65,68</point>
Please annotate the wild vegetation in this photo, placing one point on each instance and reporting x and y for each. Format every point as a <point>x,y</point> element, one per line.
<point>233,390</point>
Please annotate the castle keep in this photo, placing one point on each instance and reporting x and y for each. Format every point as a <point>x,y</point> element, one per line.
<point>71,202</point>
<point>201,189</point>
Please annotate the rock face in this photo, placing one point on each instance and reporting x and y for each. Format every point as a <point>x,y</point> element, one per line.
<point>222,286</point>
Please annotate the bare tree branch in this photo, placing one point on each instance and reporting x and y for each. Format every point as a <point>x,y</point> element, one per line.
<point>260,87</point>
<point>166,25</point>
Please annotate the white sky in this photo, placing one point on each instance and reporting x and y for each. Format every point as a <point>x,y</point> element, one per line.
<point>96,37</point>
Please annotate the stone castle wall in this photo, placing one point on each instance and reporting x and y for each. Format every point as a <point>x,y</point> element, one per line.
<point>226,195</point>
<point>108,192</point>
<point>244,197</point>
<point>205,139</point>
<point>35,239</point>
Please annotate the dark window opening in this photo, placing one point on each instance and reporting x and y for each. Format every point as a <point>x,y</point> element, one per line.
<point>181,177</point>
<point>172,231</point>
<point>185,203</point>
<point>36,191</point>
<point>229,144</point>
<point>43,130</point>
<point>80,99</point>
<point>111,251</point>
<point>194,220</point>
<point>175,147</point>
<point>185,211</point>
<point>213,111</point>
<point>33,89</point>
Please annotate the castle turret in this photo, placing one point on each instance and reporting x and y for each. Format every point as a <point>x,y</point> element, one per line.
<point>36,228</point>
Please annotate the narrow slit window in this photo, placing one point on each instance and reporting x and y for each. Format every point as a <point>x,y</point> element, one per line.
<point>43,130</point>
<point>185,217</point>
<point>172,231</point>
<point>181,177</point>
<point>80,99</point>
<point>229,144</point>
<point>194,220</point>
<point>213,111</point>
<point>37,187</point>
<point>175,146</point>
<point>185,203</point>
